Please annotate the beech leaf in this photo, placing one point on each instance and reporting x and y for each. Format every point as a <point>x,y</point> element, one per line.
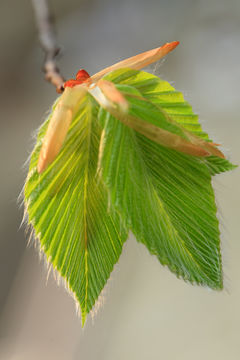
<point>79,231</point>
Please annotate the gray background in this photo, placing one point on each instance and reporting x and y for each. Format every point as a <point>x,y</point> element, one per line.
<point>148,313</point>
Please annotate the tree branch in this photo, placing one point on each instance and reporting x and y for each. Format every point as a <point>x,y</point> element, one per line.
<point>47,37</point>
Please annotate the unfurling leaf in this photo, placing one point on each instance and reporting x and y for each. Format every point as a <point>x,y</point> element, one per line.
<point>79,231</point>
<point>137,160</point>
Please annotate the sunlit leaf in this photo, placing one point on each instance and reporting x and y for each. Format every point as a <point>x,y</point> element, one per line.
<point>161,93</point>
<point>166,199</point>
<point>80,233</point>
<point>175,214</point>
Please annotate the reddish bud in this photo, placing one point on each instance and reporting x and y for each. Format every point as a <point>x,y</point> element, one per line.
<point>82,75</point>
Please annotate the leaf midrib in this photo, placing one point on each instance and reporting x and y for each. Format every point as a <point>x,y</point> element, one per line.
<point>85,191</point>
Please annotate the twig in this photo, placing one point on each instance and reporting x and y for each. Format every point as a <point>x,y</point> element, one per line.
<point>47,37</point>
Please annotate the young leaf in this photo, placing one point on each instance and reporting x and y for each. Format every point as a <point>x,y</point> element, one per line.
<point>161,93</point>
<point>154,123</point>
<point>79,231</point>
<point>176,217</point>
<point>165,198</point>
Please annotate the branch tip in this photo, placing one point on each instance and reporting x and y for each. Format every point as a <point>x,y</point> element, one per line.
<point>45,25</point>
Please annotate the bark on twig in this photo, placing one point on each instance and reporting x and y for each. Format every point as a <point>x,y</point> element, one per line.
<point>47,37</point>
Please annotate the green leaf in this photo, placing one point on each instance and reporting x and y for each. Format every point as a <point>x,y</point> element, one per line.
<point>161,93</point>
<point>154,123</point>
<point>166,199</point>
<point>79,231</point>
<point>175,214</point>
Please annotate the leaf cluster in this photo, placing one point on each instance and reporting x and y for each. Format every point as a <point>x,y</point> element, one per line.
<point>109,179</point>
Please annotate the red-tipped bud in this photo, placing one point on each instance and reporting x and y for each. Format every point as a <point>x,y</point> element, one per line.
<point>82,75</point>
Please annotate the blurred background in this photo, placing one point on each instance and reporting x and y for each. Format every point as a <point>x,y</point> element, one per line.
<point>148,313</point>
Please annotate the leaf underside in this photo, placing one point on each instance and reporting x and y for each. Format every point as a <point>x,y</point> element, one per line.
<point>86,202</point>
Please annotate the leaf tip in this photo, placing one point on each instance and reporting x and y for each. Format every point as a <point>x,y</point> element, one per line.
<point>173,44</point>
<point>166,48</point>
<point>83,319</point>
